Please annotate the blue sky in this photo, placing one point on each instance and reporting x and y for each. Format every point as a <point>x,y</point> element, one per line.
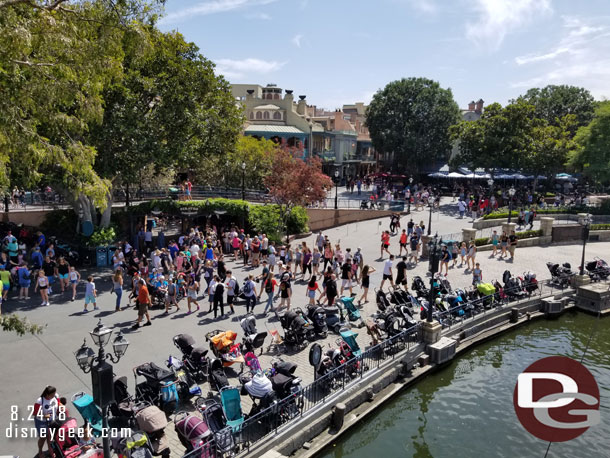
<point>343,51</point>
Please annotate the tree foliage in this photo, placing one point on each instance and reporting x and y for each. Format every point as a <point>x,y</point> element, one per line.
<point>293,182</point>
<point>411,118</point>
<point>592,155</point>
<point>13,323</point>
<point>552,103</point>
<point>55,59</point>
<point>225,170</point>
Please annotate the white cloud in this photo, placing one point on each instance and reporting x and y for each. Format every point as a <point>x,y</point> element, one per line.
<point>211,7</point>
<point>584,49</point>
<point>496,18</point>
<point>259,16</point>
<point>239,69</point>
<point>296,40</point>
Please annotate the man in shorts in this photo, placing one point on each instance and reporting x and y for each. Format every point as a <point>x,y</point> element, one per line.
<point>385,243</point>
<point>401,273</point>
<point>512,244</point>
<point>414,245</point>
<point>143,304</point>
<point>346,276</point>
<point>403,242</point>
<point>387,272</point>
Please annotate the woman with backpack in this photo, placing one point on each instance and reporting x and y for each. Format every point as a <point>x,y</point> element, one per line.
<point>268,285</point>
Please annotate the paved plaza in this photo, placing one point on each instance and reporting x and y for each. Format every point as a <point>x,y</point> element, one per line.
<point>29,363</point>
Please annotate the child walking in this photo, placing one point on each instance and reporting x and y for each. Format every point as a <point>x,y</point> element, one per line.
<point>90,294</point>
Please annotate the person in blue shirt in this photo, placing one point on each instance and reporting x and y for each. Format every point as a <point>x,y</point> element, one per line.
<point>41,241</point>
<point>50,252</point>
<point>24,281</point>
<point>37,259</point>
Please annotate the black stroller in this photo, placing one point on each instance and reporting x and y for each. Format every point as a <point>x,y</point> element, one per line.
<point>512,286</point>
<point>419,287</point>
<point>252,338</point>
<point>317,316</point>
<point>560,275</point>
<point>217,423</point>
<point>296,328</point>
<point>217,377</point>
<point>195,359</point>
<point>159,388</point>
<point>598,269</point>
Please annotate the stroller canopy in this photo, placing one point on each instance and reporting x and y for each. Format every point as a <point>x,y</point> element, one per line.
<point>259,386</point>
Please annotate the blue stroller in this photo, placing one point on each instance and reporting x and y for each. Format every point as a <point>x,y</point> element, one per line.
<point>353,314</point>
<point>231,405</point>
<point>89,411</point>
<point>349,337</point>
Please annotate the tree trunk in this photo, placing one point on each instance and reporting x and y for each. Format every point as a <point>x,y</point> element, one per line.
<point>85,205</point>
<point>105,219</point>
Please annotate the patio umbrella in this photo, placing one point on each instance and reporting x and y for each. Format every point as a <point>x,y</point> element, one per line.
<point>437,175</point>
<point>456,175</point>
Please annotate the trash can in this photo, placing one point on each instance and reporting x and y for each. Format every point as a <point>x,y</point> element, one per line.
<point>101,256</point>
<point>111,250</point>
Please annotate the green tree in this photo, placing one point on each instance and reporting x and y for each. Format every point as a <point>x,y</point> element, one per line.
<point>501,138</point>
<point>410,118</point>
<point>169,111</point>
<point>225,170</point>
<point>55,59</point>
<point>592,153</point>
<point>553,102</point>
<point>13,323</point>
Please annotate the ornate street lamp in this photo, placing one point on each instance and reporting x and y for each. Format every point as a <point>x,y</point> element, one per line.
<point>511,194</point>
<point>586,222</point>
<point>410,194</point>
<point>101,372</point>
<point>243,181</point>
<point>434,248</point>
<point>490,182</point>
<point>430,204</point>
<point>336,188</point>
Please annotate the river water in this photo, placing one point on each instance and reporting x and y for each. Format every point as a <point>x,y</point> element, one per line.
<point>466,409</point>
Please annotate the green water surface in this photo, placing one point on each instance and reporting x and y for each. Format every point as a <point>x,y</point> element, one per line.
<point>466,409</point>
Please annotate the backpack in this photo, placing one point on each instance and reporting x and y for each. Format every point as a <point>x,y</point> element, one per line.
<point>357,258</point>
<point>247,287</point>
<point>235,286</point>
<point>269,286</point>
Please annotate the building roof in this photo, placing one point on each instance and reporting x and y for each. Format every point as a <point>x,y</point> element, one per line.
<point>273,128</point>
<point>266,107</point>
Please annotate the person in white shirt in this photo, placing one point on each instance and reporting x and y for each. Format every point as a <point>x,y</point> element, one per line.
<point>194,249</point>
<point>231,283</point>
<point>387,271</point>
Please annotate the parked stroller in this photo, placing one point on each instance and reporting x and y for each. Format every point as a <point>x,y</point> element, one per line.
<point>65,443</point>
<point>160,386</point>
<point>353,314</point>
<point>153,421</point>
<point>296,328</point>
<point>382,300</point>
<point>214,417</point>
<point>560,275</point>
<point>222,344</point>
<point>194,358</point>
<point>287,386</point>
<point>218,379</point>
<point>259,388</point>
<point>335,318</point>
<point>231,405</point>
<point>598,269</point>
<point>512,286</point>
<point>529,282</point>
<point>317,316</point>
<point>194,433</point>
<point>136,445</point>
<point>419,287</point>
<point>89,411</point>
<point>252,338</point>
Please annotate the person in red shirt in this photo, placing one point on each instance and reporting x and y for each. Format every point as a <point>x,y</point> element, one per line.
<point>403,242</point>
<point>143,304</point>
<point>385,242</point>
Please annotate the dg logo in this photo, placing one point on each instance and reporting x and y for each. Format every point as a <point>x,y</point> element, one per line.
<point>556,399</point>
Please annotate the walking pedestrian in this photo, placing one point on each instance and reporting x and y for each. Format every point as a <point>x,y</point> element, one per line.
<point>512,244</point>
<point>191,290</point>
<point>365,282</point>
<point>117,288</point>
<point>312,287</point>
<point>219,290</point>
<point>24,281</point>
<point>232,287</point>
<point>495,240</point>
<point>387,272</point>
<point>268,285</point>
<point>90,294</point>
<point>143,302</point>
<point>477,275</point>
<point>74,279</point>
<point>250,293</point>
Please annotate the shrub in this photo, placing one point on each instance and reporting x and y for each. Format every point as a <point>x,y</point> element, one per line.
<point>297,221</point>
<point>600,227</point>
<point>481,241</point>
<point>102,236</point>
<point>549,194</point>
<point>60,222</point>
<point>266,218</point>
<point>529,234</point>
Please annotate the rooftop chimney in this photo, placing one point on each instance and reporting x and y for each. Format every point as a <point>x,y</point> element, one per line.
<point>302,105</point>
<point>471,106</point>
<point>479,107</point>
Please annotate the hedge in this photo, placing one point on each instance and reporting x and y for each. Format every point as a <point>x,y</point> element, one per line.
<point>520,235</point>
<point>264,218</point>
<point>600,227</point>
<point>603,209</point>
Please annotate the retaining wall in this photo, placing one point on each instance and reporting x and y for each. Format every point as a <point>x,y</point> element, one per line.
<point>324,218</point>
<point>32,218</point>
